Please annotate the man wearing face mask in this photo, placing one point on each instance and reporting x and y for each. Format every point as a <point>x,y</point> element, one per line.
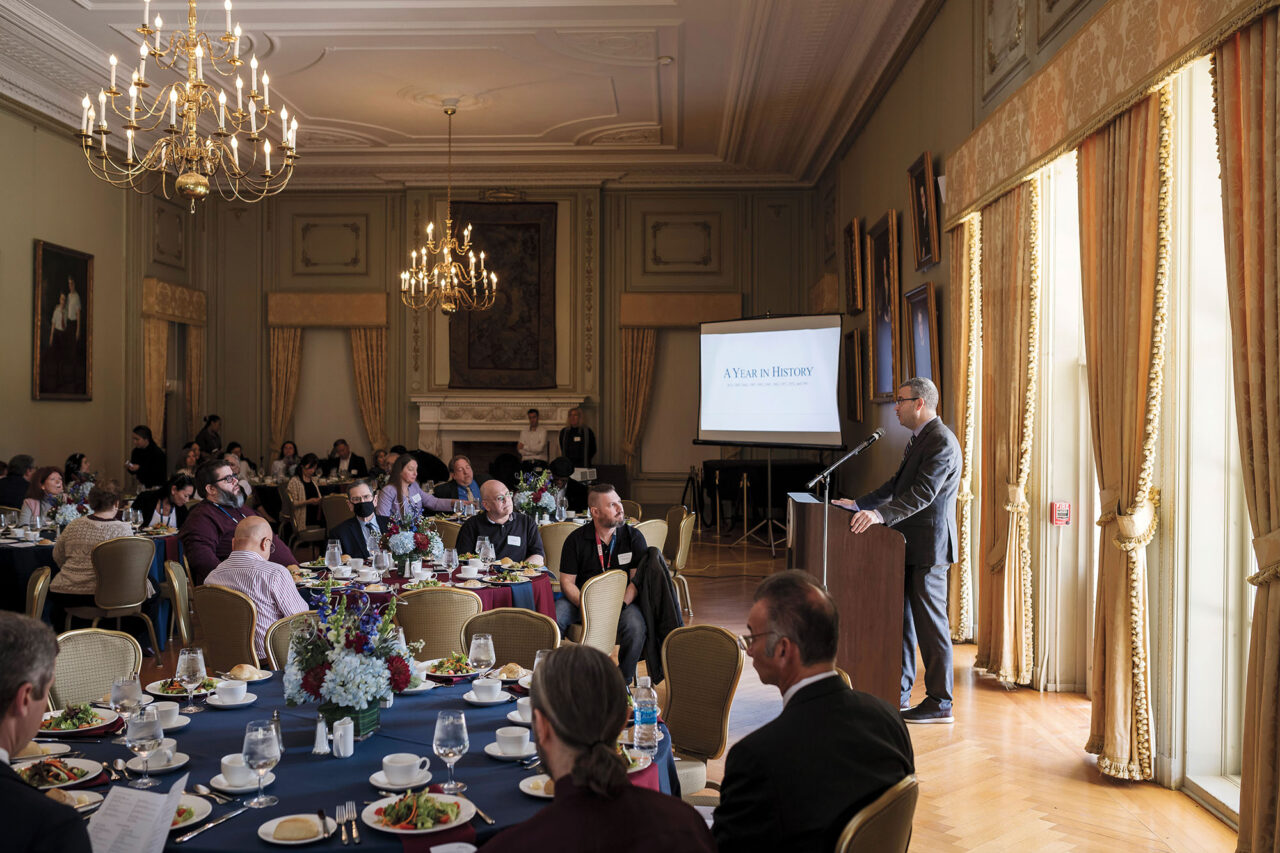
<point>210,526</point>
<point>360,536</point>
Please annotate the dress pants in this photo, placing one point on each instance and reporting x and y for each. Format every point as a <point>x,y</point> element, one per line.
<point>631,633</point>
<point>924,620</point>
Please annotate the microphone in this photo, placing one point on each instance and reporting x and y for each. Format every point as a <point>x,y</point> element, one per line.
<point>871,439</point>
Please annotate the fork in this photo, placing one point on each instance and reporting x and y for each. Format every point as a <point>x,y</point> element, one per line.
<point>351,816</point>
<point>340,815</point>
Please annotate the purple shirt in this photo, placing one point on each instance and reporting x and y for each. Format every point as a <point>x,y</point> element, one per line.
<point>415,501</point>
<point>206,538</point>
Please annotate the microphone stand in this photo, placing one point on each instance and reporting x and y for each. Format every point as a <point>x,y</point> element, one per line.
<point>825,477</point>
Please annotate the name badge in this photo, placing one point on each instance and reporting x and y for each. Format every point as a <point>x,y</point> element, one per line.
<point>577,438</point>
<point>624,559</point>
<point>417,499</point>
<point>513,540</point>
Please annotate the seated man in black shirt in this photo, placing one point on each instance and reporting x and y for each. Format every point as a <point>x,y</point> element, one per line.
<point>512,534</point>
<point>605,544</point>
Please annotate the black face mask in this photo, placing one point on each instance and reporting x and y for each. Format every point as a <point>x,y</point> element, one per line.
<point>364,509</point>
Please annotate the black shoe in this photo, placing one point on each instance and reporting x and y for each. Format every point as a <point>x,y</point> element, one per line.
<point>928,711</point>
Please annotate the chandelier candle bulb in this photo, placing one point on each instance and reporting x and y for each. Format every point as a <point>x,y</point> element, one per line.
<point>227,5</point>
<point>113,62</point>
<point>253,75</point>
<point>239,95</point>
<point>133,102</point>
<point>199,63</point>
<point>102,107</point>
<point>236,43</point>
<point>142,63</point>
<point>266,149</point>
<point>293,133</point>
<point>284,125</point>
<point>146,12</point>
<point>266,91</point>
<point>159,23</point>
<point>253,118</point>
<point>235,152</point>
<point>129,133</point>
<point>84,115</point>
<point>173,107</point>
<point>222,111</point>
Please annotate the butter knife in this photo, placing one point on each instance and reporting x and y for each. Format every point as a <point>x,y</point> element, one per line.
<point>479,811</point>
<point>193,833</point>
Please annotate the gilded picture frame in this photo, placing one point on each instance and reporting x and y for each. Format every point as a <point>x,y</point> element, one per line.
<point>62,339</point>
<point>921,312</point>
<point>923,195</point>
<point>854,299</point>
<point>853,375</point>
<point>883,355</point>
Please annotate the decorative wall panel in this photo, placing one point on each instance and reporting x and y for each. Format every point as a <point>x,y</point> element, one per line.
<point>680,242</point>
<point>330,245</point>
<point>169,235</point>
<point>1004,40</point>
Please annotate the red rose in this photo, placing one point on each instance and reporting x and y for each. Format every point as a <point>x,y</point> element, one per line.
<point>314,678</point>
<point>422,542</point>
<point>356,642</point>
<point>400,675</point>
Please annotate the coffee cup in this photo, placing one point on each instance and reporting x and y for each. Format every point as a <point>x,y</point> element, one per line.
<point>470,569</point>
<point>570,514</point>
<point>356,564</point>
<point>367,576</point>
<point>236,772</point>
<point>341,572</point>
<point>166,713</point>
<point>513,740</point>
<point>231,691</point>
<point>524,709</point>
<point>486,689</point>
<point>403,768</point>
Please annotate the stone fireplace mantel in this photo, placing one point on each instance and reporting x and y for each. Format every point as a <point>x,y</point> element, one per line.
<point>456,416</point>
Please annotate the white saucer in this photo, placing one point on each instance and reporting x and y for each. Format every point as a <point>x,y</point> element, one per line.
<point>492,750</point>
<point>503,696</point>
<point>200,808</point>
<point>526,681</point>
<point>181,723</point>
<point>267,831</point>
<point>532,785</point>
<point>379,780</point>
<point>220,783</point>
<point>180,760</point>
<point>426,685</point>
<point>514,716</point>
<point>215,702</point>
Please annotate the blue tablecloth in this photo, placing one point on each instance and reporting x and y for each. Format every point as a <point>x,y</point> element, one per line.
<point>305,782</point>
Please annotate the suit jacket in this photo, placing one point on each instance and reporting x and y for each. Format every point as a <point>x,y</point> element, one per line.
<point>33,823</point>
<point>448,490</point>
<point>350,533</point>
<point>355,466</point>
<point>793,783</point>
<point>656,598</point>
<point>919,500</point>
<point>13,490</point>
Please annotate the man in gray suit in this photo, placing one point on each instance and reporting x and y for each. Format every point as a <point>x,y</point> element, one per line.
<point>919,501</point>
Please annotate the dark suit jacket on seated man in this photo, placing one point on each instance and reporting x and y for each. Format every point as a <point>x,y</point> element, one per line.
<point>210,526</point>
<point>355,534</point>
<point>461,485</point>
<point>33,823</point>
<point>795,782</point>
<point>512,534</point>
<point>341,460</point>
<point>919,501</point>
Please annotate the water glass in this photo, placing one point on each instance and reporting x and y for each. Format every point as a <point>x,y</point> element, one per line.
<point>481,656</point>
<point>539,656</point>
<point>143,737</point>
<point>261,752</point>
<point>382,562</point>
<point>126,698</point>
<point>485,549</point>
<point>333,556</point>
<point>450,743</point>
<point>450,560</point>
<point>191,674</point>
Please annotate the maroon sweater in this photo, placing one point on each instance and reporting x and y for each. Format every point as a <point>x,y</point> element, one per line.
<point>206,538</point>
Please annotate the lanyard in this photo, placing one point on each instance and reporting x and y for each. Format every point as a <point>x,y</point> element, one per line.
<point>604,564</point>
<point>229,515</point>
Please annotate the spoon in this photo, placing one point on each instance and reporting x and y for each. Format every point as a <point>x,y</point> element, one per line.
<point>206,791</point>
<point>122,767</point>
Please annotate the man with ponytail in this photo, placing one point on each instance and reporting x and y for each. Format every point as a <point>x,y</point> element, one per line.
<point>579,708</point>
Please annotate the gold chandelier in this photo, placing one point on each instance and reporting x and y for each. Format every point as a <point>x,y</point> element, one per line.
<point>196,161</point>
<point>444,281</point>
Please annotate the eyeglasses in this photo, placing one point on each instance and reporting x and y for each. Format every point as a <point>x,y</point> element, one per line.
<point>271,543</point>
<point>230,478</point>
<point>503,496</point>
<point>901,400</point>
<point>745,640</point>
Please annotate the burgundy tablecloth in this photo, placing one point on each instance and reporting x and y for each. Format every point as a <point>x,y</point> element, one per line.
<point>490,596</point>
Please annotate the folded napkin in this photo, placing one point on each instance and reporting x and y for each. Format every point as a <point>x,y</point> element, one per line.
<point>515,689</point>
<point>646,778</point>
<point>423,843</point>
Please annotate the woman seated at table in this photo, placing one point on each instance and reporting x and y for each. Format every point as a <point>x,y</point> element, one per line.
<point>167,505</point>
<point>579,708</point>
<point>77,580</point>
<point>76,476</point>
<point>286,464</point>
<point>304,492</point>
<point>403,496</point>
<point>189,461</point>
<point>44,493</point>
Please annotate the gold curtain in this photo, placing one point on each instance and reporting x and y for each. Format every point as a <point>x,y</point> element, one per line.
<point>195,377</point>
<point>639,350</point>
<point>966,314</point>
<point>369,355</point>
<point>286,366</point>
<point>155,371</point>
<point>1246,74</point>
<point>1124,180</point>
<point>1010,297</point>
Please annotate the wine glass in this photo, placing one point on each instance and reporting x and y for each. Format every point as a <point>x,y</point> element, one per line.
<point>450,743</point>
<point>333,555</point>
<point>539,656</point>
<point>481,655</point>
<point>126,698</point>
<point>143,737</point>
<point>382,562</point>
<point>485,549</point>
<point>191,674</point>
<point>450,561</point>
<point>560,508</point>
<point>261,752</point>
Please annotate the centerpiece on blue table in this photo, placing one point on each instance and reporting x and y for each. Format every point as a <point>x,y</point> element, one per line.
<point>352,657</point>
<point>413,537</point>
<point>533,493</point>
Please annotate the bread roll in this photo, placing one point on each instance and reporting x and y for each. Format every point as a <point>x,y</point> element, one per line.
<point>244,672</point>
<point>295,829</point>
<point>549,788</point>
<point>61,796</point>
<point>30,750</point>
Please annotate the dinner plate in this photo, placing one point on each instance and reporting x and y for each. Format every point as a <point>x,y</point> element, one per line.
<point>426,685</point>
<point>180,723</point>
<point>49,750</point>
<point>105,716</point>
<point>523,673</point>
<point>515,717</point>
<point>220,783</point>
<point>466,811</point>
<point>90,768</point>
<point>266,830</point>
<point>199,807</point>
<point>263,675</point>
<point>215,701</point>
<point>503,696</point>
<point>86,801</point>
<point>533,786</point>
<point>106,703</point>
<point>526,681</point>
<point>627,738</point>
<point>380,780</point>
<point>493,751</point>
<point>425,669</point>
<point>179,761</point>
<point>154,689</point>
<point>496,582</point>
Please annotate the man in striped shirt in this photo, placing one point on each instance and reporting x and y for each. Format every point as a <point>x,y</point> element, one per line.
<point>249,569</point>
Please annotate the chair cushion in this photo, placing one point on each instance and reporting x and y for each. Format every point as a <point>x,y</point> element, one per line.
<point>692,775</point>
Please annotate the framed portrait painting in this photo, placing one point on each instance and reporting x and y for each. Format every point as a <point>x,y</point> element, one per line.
<point>854,303</point>
<point>924,211</point>
<point>882,286</point>
<point>62,358</point>
<point>922,333</point>
<point>853,375</point>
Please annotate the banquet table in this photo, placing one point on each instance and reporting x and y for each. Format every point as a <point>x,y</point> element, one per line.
<point>537,594</point>
<point>306,782</point>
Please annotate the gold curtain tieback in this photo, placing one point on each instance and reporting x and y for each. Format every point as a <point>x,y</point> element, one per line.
<point>1138,526</point>
<point>965,496</point>
<point>1017,500</point>
<point>1266,549</point>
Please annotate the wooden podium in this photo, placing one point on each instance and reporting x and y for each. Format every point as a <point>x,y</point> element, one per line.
<point>865,577</point>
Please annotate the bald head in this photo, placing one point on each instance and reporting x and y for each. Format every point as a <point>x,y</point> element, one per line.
<point>253,534</point>
<point>496,499</point>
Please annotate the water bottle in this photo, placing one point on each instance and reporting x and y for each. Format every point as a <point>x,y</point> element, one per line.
<point>645,733</point>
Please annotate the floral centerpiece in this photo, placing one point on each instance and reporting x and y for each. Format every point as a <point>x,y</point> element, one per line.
<point>533,493</point>
<point>66,509</point>
<point>349,660</point>
<point>413,537</point>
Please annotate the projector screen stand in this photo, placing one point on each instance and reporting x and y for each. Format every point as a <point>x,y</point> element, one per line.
<point>770,524</point>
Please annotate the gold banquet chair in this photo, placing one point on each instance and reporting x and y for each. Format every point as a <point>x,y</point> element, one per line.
<point>38,591</point>
<point>601,607</point>
<point>884,826</point>
<point>702,664</point>
<point>296,536</point>
<point>448,531</point>
<point>280,635</point>
<point>436,616</point>
<point>334,509</point>
<point>553,536</point>
<point>121,566</point>
<point>671,545</point>
<point>89,659</point>
<point>633,510</point>
<point>177,589</point>
<point>227,618</point>
<point>517,634</point>
<point>682,559</point>
<point>654,531</point>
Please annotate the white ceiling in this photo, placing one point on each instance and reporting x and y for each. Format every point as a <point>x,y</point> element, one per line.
<point>757,92</point>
